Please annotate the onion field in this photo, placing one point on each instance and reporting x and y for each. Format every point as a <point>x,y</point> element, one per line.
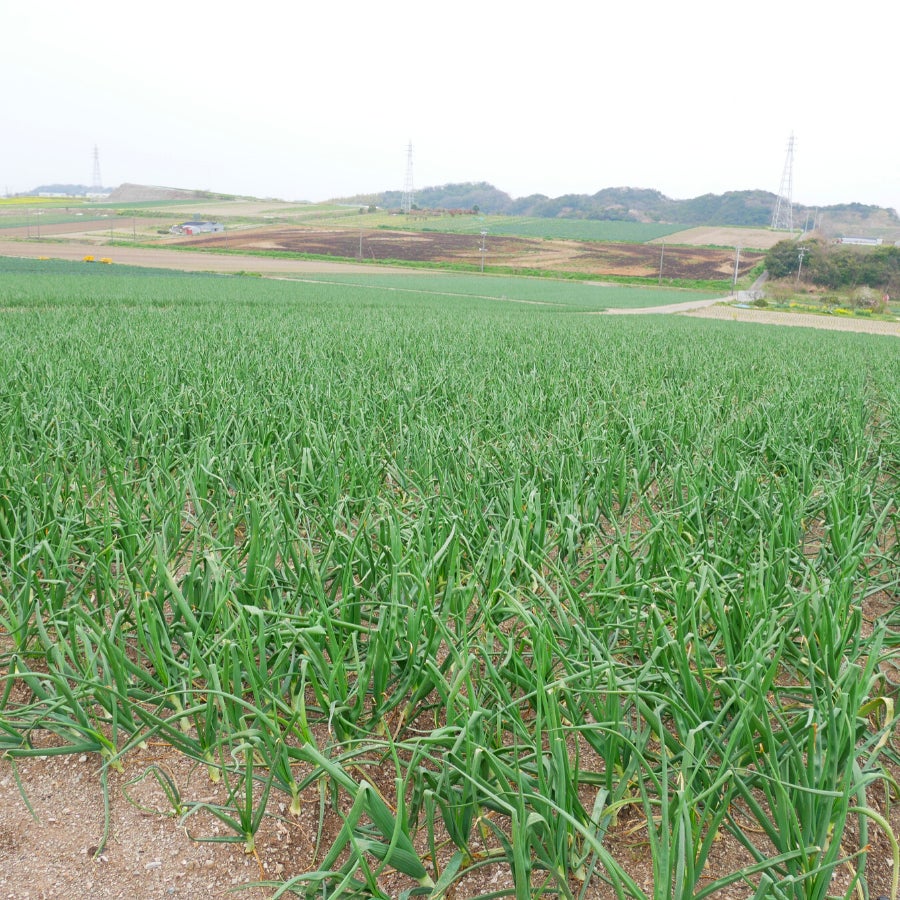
<point>554,228</point>
<point>494,592</point>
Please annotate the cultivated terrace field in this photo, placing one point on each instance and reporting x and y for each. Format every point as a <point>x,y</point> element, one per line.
<point>676,263</point>
<point>451,597</point>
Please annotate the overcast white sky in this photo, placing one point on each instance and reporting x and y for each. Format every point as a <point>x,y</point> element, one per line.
<point>311,100</point>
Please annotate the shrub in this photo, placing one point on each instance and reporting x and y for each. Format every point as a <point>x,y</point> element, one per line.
<point>863,298</point>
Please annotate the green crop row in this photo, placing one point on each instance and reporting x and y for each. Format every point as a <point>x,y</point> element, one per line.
<point>493,591</point>
<point>552,294</point>
<point>553,229</point>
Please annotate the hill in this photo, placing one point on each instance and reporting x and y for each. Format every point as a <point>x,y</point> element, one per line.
<point>145,193</point>
<point>741,208</point>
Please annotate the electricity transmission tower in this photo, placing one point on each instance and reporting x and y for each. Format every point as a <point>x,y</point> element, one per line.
<point>406,203</point>
<point>96,182</point>
<point>783,216</point>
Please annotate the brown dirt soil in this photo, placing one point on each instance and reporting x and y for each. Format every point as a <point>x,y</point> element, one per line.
<point>801,320</point>
<point>176,259</point>
<point>91,230</point>
<point>60,851</point>
<point>643,260</point>
<point>723,236</point>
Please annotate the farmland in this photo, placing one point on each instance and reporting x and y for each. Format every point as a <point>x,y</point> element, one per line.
<point>558,229</point>
<point>554,295</point>
<point>509,253</point>
<point>480,597</point>
<point>574,248</point>
<point>532,226</point>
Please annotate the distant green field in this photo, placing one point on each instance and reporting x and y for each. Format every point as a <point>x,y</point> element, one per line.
<point>544,293</point>
<point>572,295</point>
<point>13,265</point>
<point>514,226</point>
<point>152,204</point>
<point>23,219</point>
<point>558,229</point>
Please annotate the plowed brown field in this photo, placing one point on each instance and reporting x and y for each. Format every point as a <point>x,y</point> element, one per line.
<point>642,260</point>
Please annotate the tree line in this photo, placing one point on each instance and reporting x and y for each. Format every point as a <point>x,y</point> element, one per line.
<point>836,266</point>
<point>751,208</point>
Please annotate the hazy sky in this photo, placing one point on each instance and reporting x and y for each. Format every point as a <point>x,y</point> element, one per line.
<point>313,100</point>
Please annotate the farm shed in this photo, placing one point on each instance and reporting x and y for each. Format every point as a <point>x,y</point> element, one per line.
<point>197,227</point>
<point>862,241</point>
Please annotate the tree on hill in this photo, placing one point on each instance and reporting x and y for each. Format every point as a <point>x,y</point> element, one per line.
<point>465,195</point>
<point>522,206</point>
<point>837,266</point>
<point>735,208</point>
<point>783,259</point>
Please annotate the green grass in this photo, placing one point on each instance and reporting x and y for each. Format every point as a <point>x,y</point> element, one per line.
<point>558,294</point>
<point>60,271</point>
<point>48,217</point>
<point>480,585</point>
<point>521,226</point>
<point>556,229</point>
<point>549,295</point>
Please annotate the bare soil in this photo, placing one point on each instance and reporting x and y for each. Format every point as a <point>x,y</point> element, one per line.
<point>517,253</point>
<point>96,229</point>
<point>61,845</point>
<point>724,236</point>
<point>801,320</point>
<point>162,258</point>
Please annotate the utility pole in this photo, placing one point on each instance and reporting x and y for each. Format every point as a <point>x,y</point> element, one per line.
<point>737,260</point>
<point>800,256</point>
<point>662,251</point>
<point>483,238</point>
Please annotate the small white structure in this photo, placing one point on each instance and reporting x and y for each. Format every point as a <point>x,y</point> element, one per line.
<point>197,228</point>
<point>863,241</point>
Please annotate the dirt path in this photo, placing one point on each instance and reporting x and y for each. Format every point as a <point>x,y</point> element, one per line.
<point>719,308</point>
<point>797,320</point>
<point>184,260</point>
<point>94,230</point>
<point>687,306</point>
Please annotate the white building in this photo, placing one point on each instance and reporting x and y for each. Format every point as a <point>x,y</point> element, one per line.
<point>197,228</point>
<point>862,241</point>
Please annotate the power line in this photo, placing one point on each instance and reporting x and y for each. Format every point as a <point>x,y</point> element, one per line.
<point>406,204</point>
<point>783,216</point>
<point>96,181</point>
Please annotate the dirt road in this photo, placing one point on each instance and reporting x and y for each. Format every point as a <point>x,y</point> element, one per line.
<point>797,320</point>
<point>687,306</point>
<point>719,308</point>
<point>185,260</point>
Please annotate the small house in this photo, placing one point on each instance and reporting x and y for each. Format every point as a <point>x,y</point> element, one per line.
<point>197,228</point>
